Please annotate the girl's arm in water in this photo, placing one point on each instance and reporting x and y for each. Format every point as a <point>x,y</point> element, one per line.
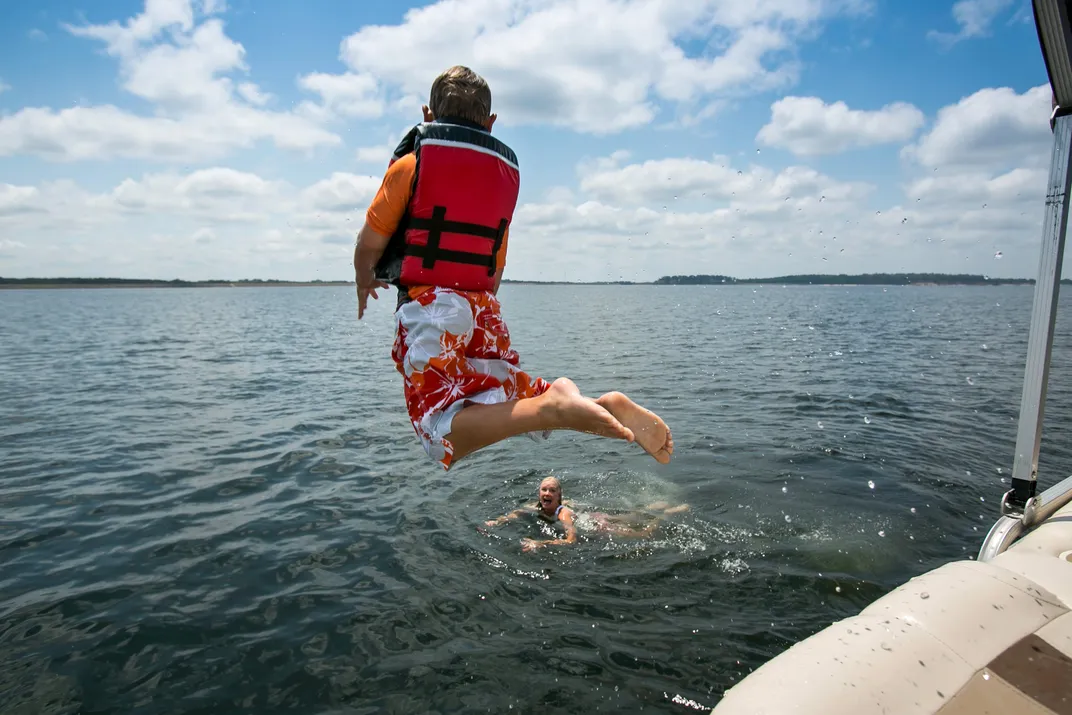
<point>508,517</point>
<point>566,516</point>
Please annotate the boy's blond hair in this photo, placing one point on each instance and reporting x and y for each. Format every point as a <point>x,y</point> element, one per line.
<point>460,92</point>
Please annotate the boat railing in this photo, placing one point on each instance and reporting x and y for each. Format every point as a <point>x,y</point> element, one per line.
<point>1021,508</point>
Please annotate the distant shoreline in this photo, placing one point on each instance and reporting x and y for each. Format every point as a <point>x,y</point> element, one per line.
<point>884,279</point>
<point>92,283</point>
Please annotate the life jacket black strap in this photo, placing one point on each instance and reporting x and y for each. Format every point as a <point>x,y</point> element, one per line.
<point>499,235</point>
<point>431,255</point>
<point>438,224</point>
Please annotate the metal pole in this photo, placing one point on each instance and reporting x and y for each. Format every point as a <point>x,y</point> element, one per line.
<point>1020,500</point>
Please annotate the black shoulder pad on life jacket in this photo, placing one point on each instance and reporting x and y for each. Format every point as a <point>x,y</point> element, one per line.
<point>407,145</point>
<point>459,133</point>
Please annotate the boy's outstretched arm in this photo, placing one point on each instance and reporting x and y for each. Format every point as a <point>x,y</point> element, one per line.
<point>370,246</point>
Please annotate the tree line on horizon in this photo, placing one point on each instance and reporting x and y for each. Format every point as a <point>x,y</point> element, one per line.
<point>699,279</point>
<point>146,281</point>
<point>852,279</point>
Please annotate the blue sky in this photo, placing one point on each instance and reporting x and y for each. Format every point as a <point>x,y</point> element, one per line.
<point>201,138</point>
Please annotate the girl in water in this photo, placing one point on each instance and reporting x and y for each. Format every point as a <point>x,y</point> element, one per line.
<point>552,508</point>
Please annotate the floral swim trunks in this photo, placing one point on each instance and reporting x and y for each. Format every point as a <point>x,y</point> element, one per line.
<point>453,350</point>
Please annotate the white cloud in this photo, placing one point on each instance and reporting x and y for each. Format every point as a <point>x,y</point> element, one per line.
<point>218,194</point>
<point>981,173</point>
<point>3,86</point>
<point>17,199</point>
<point>973,17</point>
<point>341,192</point>
<point>994,127</point>
<point>183,68</point>
<point>210,223</point>
<point>37,35</point>
<point>807,126</point>
<point>106,132</point>
<point>611,62</point>
<point>253,94</point>
<point>380,154</point>
<point>611,66</point>
<point>349,95</point>
<point>375,154</point>
<point>670,180</point>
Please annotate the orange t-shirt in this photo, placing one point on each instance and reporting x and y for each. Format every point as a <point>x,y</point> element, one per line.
<point>389,206</point>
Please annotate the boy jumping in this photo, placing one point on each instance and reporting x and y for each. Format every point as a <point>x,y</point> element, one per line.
<point>438,229</point>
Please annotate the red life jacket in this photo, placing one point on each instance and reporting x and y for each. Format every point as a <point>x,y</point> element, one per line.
<point>465,189</point>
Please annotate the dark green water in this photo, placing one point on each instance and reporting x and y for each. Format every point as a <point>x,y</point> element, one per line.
<point>211,500</point>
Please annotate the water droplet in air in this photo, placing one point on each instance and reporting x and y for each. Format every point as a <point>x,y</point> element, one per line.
<point>867,420</point>
<point>822,198</point>
<point>820,425</point>
<point>788,519</point>
<point>986,676</point>
<point>904,220</point>
<point>785,490</point>
<point>740,173</point>
<point>924,595</point>
<point>882,534</point>
<point>871,483</point>
<point>913,510</point>
<point>998,255</point>
<point>838,589</point>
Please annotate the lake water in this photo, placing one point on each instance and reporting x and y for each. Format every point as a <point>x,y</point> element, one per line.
<point>211,500</point>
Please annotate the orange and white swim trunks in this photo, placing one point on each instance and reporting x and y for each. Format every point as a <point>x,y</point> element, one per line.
<point>453,349</point>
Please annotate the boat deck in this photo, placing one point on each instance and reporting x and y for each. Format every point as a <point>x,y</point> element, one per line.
<point>968,638</point>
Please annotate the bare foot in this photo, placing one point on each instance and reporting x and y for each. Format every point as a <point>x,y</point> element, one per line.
<point>572,410</point>
<point>650,431</point>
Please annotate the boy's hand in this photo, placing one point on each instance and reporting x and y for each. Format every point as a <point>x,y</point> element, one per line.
<point>369,248</point>
<point>363,293</point>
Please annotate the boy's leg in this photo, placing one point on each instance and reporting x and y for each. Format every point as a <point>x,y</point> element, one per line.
<point>465,391</point>
<point>562,407</point>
